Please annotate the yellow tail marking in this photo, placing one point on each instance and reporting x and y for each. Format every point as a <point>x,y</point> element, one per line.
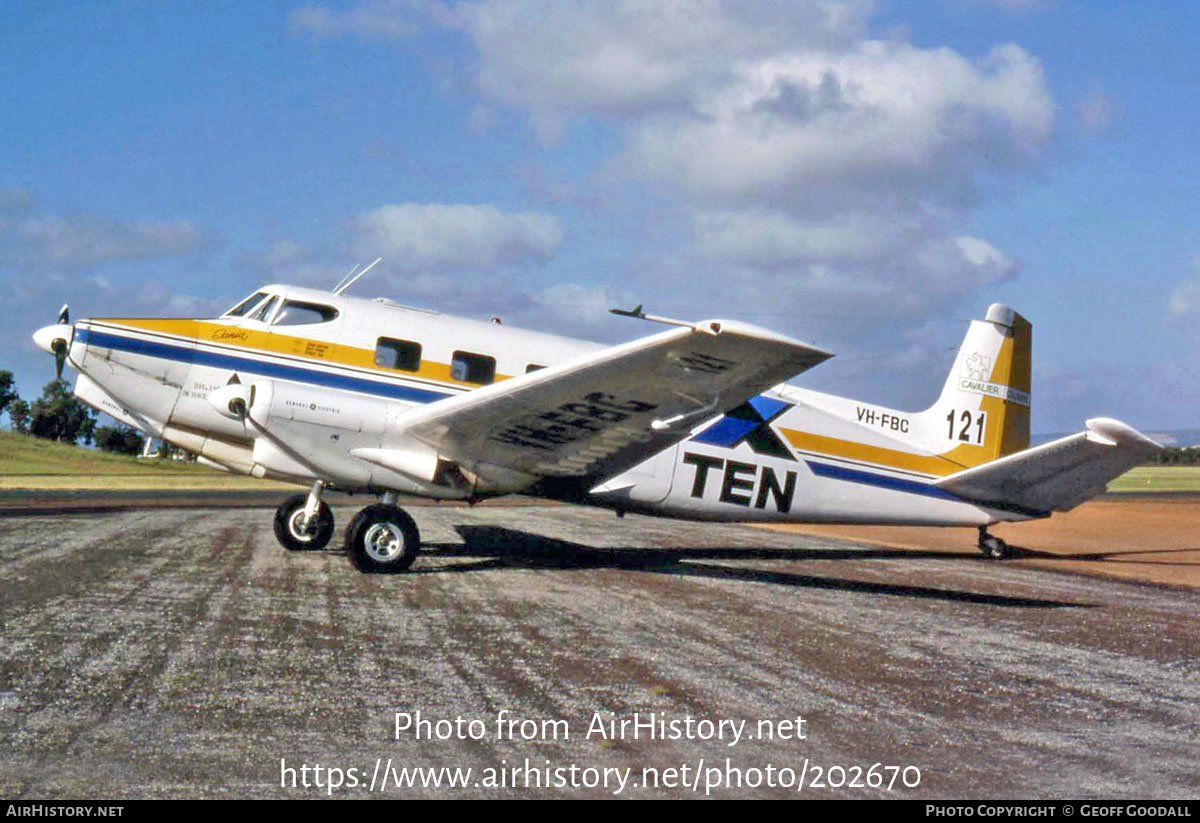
<point>936,464</point>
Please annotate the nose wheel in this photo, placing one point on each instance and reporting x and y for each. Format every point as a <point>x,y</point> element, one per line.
<point>382,538</point>
<point>296,530</point>
<point>992,546</point>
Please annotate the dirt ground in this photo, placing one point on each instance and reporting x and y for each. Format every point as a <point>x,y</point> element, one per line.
<point>1150,539</point>
<point>183,653</point>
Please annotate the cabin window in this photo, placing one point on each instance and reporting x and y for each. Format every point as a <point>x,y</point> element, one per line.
<point>245,306</point>
<point>473,368</point>
<point>295,313</point>
<point>265,310</point>
<point>533,367</point>
<point>398,354</point>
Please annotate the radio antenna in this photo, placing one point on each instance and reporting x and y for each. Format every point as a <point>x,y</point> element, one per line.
<point>638,314</point>
<point>350,279</point>
<point>344,279</point>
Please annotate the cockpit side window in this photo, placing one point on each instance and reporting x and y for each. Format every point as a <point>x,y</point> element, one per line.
<point>246,305</point>
<point>296,313</point>
<point>264,311</point>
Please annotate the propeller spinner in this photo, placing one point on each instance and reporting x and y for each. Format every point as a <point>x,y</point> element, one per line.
<point>56,339</point>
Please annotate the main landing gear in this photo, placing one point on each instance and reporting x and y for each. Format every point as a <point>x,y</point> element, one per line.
<point>993,546</point>
<point>380,538</point>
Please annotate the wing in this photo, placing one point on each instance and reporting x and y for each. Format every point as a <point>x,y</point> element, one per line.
<point>1059,475</point>
<point>602,413</point>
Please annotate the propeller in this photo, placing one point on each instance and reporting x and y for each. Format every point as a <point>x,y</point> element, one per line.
<point>56,340</point>
<point>60,345</point>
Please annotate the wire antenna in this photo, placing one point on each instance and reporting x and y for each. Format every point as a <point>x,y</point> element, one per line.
<point>349,274</point>
<point>350,280</point>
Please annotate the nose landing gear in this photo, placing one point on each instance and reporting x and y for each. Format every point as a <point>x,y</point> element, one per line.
<point>304,521</point>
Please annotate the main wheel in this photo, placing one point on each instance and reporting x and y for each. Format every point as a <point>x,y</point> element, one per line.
<point>290,515</point>
<point>382,538</point>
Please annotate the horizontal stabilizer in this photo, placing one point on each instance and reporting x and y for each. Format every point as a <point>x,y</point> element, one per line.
<point>1059,475</point>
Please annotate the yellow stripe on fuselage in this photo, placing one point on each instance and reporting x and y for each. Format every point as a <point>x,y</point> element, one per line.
<point>318,351</point>
<point>939,465</point>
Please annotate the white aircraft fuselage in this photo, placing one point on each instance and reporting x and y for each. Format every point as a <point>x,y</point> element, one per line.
<point>312,387</point>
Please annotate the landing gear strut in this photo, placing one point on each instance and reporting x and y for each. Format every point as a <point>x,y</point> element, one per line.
<point>304,521</point>
<point>993,546</point>
<point>382,538</point>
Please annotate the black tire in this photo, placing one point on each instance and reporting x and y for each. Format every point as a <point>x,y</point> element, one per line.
<point>287,527</point>
<point>994,548</point>
<point>382,538</point>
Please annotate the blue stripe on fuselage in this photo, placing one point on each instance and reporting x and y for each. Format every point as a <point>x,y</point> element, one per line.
<point>881,480</point>
<point>913,487</point>
<point>186,354</point>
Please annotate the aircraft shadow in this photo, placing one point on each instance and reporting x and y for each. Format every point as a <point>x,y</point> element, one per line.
<point>497,547</point>
<point>1108,557</point>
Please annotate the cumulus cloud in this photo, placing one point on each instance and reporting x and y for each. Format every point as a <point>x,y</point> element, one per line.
<point>605,57</point>
<point>820,180</point>
<point>883,118</point>
<point>425,236</point>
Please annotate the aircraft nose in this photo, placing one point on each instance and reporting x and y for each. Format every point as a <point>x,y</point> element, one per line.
<point>47,336</point>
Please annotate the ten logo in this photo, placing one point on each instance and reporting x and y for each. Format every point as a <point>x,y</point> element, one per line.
<point>738,481</point>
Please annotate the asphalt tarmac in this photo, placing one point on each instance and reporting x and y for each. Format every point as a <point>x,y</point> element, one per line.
<point>183,653</point>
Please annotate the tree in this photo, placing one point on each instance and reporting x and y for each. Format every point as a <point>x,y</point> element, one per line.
<point>18,413</point>
<point>120,439</point>
<point>8,389</point>
<point>58,415</point>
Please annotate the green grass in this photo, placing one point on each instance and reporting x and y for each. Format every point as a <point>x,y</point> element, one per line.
<point>22,454</point>
<point>1158,479</point>
<point>32,463</point>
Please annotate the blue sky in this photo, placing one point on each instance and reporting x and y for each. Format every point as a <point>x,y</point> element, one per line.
<point>867,176</point>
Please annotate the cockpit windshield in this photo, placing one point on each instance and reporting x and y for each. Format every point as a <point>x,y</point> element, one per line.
<point>246,305</point>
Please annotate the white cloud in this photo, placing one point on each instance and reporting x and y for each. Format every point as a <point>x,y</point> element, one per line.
<point>80,242</point>
<point>424,236</point>
<point>766,239</point>
<point>602,56</point>
<point>633,56</point>
<point>818,181</point>
<point>885,117</point>
<point>1184,302</point>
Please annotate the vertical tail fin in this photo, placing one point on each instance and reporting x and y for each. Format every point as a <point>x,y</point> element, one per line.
<point>983,411</point>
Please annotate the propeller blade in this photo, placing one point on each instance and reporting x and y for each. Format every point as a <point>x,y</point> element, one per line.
<point>64,315</point>
<point>60,357</point>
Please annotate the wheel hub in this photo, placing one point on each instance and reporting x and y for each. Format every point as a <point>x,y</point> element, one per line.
<point>383,542</point>
<point>296,526</point>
